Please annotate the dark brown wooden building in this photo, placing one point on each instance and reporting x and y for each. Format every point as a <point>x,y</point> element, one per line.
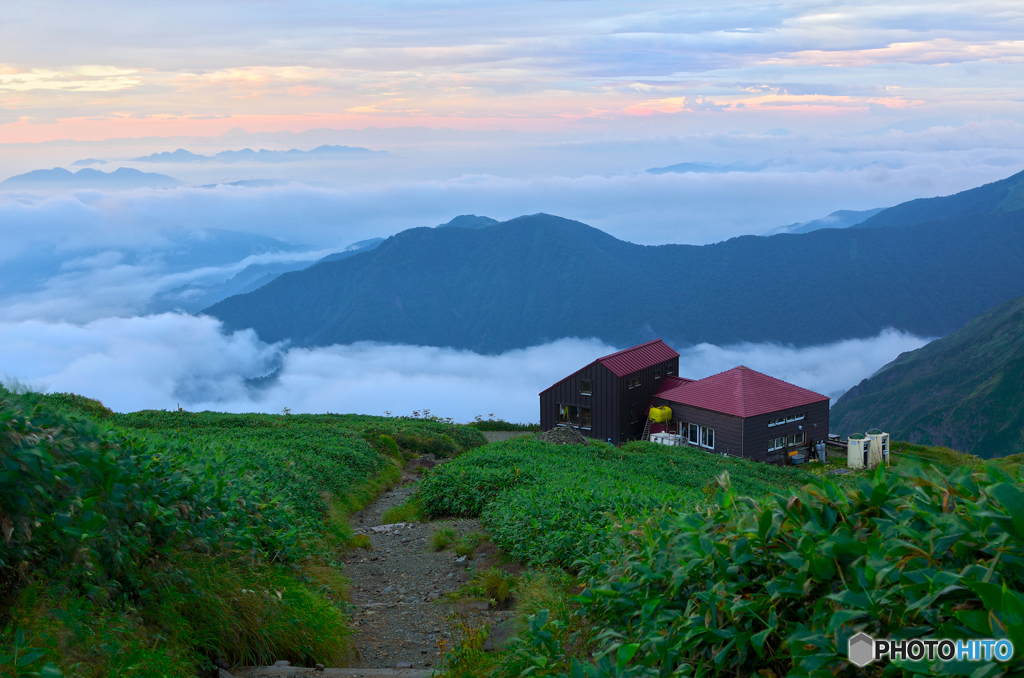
<point>739,412</point>
<point>743,413</point>
<point>609,398</point>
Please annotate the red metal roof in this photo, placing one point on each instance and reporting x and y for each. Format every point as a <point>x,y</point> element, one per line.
<point>741,392</point>
<point>630,360</point>
<point>638,358</point>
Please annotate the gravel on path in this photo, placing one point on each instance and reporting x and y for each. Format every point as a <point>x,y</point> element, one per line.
<point>395,589</point>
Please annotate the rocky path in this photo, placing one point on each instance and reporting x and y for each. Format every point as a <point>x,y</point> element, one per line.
<point>400,619</point>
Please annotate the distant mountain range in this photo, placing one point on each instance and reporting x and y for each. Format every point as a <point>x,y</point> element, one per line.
<point>263,155</point>
<point>840,219</point>
<point>194,297</point>
<point>537,278</point>
<point>60,178</point>
<point>470,221</point>
<point>964,391</point>
<point>709,168</point>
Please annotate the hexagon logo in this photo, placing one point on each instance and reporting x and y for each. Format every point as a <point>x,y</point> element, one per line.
<point>861,649</point>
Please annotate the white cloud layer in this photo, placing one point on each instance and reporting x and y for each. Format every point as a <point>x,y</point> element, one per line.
<point>157,362</point>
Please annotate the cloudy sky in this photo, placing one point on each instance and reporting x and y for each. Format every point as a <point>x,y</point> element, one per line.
<point>493,108</point>
<point>117,68</point>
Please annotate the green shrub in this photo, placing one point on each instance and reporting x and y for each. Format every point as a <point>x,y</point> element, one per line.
<point>125,546</point>
<point>776,586</point>
<point>466,546</point>
<point>443,538</point>
<point>501,425</point>
<point>361,541</point>
<point>406,512</point>
<point>389,446</point>
<point>497,585</point>
<point>552,504</point>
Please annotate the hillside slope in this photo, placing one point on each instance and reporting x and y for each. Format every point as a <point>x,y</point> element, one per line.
<point>538,278</point>
<point>999,197</point>
<point>964,391</point>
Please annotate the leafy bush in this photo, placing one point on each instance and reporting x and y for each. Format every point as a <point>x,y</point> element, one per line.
<point>501,425</point>
<point>442,538</point>
<point>552,504</point>
<point>137,536</point>
<point>777,586</point>
<point>407,512</point>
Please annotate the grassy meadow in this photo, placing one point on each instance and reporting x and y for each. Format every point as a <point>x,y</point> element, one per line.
<point>164,543</point>
<point>654,561</point>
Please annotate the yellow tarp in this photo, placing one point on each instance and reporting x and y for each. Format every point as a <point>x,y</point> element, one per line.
<point>660,415</point>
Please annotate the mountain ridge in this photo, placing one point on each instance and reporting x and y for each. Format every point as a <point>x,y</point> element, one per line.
<point>538,278</point>
<point>964,391</point>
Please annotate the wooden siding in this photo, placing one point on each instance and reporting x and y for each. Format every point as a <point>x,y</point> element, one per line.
<point>641,396</point>
<point>749,437</point>
<point>603,401</point>
<point>610,401</point>
<point>757,433</point>
<point>728,429</point>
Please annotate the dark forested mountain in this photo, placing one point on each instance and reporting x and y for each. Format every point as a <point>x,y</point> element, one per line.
<point>538,278</point>
<point>195,296</point>
<point>999,197</point>
<point>964,391</point>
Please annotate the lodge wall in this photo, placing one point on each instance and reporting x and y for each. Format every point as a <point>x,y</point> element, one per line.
<point>728,429</point>
<point>613,404</point>
<point>757,433</point>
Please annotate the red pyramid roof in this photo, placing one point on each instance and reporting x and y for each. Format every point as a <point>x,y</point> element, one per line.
<point>741,392</point>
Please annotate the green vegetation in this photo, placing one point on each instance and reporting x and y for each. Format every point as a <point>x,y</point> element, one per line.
<point>156,543</point>
<point>406,512</point>
<point>466,546</point>
<point>777,585</point>
<point>489,290</point>
<point>443,538</point>
<point>761,571</point>
<point>552,504</point>
<point>492,424</point>
<point>964,391</point>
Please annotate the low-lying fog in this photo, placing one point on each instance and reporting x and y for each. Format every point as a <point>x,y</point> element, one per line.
<point>161,361</point>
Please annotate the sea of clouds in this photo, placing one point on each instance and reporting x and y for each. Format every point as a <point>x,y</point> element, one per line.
<point>170,360</point>
<point>79,269</point>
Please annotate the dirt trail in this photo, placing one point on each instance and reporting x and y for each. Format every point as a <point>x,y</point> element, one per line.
<point>396,587</point>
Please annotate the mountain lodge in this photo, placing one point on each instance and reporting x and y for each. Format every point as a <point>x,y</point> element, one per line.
<point>739,412</point>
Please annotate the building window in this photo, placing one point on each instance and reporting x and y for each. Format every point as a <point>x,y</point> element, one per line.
<point>569,415</point>
<point>670,371</point>
<point>657,373</point>
<point>632,414</point>
<point>634,383</point>
<point>776,444</point>
<point>584,417</point>
<point>699,436</point>
<point>586,387</point>
<point>795,438</point>
<point>800,416</point>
